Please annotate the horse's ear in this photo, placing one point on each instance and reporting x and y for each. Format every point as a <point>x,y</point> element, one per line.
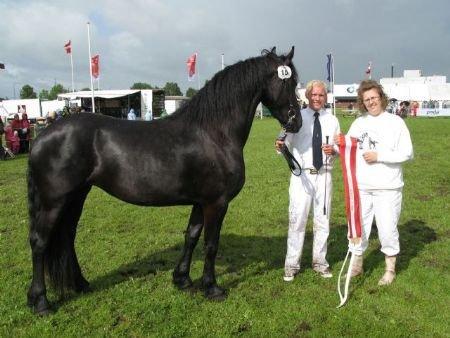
<point>273,50</point>
<point>290,56</point>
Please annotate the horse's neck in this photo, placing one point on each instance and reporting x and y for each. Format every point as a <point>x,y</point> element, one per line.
<point>249,115</point>
<point>241,121</point>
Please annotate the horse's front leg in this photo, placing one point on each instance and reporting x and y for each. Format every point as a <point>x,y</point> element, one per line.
<point>213,218</point>
<point>181,273</point>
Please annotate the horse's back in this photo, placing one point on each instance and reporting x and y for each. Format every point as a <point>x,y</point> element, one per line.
<point>148,163</point>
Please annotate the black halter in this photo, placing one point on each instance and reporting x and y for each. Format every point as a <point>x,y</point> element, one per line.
<point>291,112</point>
<point>293,164</point>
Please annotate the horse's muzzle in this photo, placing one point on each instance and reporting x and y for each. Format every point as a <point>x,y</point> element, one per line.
<point>294,123</point>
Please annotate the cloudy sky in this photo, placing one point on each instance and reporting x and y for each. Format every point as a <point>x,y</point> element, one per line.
<point>150,40</point>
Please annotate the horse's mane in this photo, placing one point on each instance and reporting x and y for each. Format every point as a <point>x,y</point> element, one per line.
<point>228,89</point>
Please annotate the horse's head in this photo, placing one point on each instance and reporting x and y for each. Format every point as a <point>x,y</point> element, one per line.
<point>279,93</point>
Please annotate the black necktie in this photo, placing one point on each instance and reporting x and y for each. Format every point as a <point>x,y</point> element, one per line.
<point>317,143</point>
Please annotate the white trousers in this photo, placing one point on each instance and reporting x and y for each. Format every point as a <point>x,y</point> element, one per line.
<point>385,205</point>
<point>303,191</point>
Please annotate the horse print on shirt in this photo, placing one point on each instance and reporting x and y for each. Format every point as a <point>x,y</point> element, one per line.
<point>366,142</point>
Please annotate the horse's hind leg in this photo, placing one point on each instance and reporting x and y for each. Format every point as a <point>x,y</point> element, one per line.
<point>213,218</point>
<point>41,228</point>
<point>69,221</point>
<point>181,273</point>
<point>52,236</point>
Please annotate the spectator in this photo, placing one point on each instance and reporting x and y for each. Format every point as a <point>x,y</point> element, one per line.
<point>12,139</point>
<point>148,115</point>
<point>50,118</point>
<point>131,115</point>
<point>2,131</point>
<point>25,134</point>
<point>16,124</point>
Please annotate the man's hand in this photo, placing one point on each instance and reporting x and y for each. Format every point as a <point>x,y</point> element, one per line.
<point>279,144</point>
<point>328,149</point>
<point>370,156</point>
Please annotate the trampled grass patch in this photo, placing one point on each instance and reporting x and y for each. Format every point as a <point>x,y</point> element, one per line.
<point>128,254</point>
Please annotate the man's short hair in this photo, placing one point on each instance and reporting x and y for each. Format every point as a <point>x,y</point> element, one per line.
<point>313,83</point>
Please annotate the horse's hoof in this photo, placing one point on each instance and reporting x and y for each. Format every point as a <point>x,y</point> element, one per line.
<point>41,307</point>
<point>83,287</point>
<point>182,282</point>
<point>215,293</point>
<point>43,312</point>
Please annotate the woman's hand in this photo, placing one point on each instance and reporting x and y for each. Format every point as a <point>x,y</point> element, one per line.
<point>337,139</point>
<point>370,156</point>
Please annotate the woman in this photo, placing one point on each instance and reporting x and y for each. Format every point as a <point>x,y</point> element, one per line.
<point>384,144</point>
<point>25,133</point>
<point>12,139</point>
<point>16,124</point>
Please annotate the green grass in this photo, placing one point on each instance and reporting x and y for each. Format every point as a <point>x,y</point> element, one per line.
<point>128,254</point>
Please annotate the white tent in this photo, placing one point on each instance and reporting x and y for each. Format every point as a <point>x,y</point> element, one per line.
<point>105,94</point>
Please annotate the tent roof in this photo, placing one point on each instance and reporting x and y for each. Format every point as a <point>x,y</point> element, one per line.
<point>105,94</point>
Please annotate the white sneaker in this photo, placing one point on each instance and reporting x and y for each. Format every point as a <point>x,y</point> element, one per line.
<point>289,275</point>
<point>324,272</point>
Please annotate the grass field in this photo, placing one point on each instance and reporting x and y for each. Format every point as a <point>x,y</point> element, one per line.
<point>128,254</point>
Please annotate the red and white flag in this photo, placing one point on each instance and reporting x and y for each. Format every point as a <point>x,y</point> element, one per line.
<point>95,65</point>
<point>347,148</point>
<point>68,47</point>
<point>191,66</point>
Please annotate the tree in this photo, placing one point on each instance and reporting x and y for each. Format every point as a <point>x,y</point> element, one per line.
<point>56,89</point>
<point>43,95</point>
<point>191,92</point>
<point>142,85</point>
<point>27,92</point>
<point>85,88</point>
<point>172,89</point>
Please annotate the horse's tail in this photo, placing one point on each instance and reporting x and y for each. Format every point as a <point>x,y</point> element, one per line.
<point>50,236</point>
<point>33,201</point>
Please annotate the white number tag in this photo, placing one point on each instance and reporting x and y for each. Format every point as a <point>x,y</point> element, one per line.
<point>284,72</point>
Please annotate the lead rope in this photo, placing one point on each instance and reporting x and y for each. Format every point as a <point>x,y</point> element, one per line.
<point>293,164</point>
<point>295,167</point>
<point>344,297</point>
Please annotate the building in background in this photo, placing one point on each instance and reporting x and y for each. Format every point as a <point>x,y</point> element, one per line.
<point>431,94</point>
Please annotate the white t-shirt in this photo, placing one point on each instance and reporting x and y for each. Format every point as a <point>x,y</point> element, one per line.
<point>301,143</point>
<point>388,136</point>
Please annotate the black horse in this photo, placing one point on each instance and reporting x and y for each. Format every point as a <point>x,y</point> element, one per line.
<point>192,157</point>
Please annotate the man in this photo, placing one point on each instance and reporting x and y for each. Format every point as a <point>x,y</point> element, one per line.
<point>312,148</point>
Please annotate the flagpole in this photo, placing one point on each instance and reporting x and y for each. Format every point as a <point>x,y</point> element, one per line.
<point>198,72</point>
<point>223,62</point>
<point>71,64</point>
<point>332,86</point>
<point>90,67</point>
